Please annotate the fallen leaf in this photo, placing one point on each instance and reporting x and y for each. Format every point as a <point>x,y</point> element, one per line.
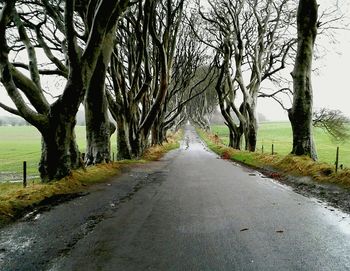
<point>245,229</point>
<point>280,231</point>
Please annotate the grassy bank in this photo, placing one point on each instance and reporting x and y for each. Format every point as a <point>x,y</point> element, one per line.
<point>282,164</point>
<point>16,200</point>
<point>280,134</point>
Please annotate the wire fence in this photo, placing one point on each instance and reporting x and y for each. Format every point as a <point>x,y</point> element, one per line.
<point>13,171</point>
<point>25,170</point>
<point>337,156</point>
<point>328,152</point>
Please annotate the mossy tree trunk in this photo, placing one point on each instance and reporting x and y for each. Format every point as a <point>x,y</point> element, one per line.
<point>96,109</point>
<point>59,152</point>
<point>300,114</point>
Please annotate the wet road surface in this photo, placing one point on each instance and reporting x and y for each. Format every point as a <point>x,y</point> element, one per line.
<point>190,211</point>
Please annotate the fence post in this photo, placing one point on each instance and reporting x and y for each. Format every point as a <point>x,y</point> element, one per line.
<point>273,149</point>
<point>113,157</point>
<point>337,160</point>
<point>24,174</point>
<point>262,149</point>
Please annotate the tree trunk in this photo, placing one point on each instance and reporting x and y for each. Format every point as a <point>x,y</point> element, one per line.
<point>300,114</point>
<point>252,136</point>
<point>231,139</point>
<point>235,139</point>
<point>97,129</point>
<point>137,141</point>
<point>60,152</point>
<point>252,129</point>
<point>156,134</point>
<point>96,106</point>
<point>123,149</point>
<point>157,130</point>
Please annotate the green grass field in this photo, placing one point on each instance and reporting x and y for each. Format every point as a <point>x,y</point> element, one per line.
<point>280,134</point>
<point>22,143</point>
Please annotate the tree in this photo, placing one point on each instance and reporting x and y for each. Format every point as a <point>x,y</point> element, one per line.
<point>334,122</point>
<point>300,114</point>
<point>252,43</point>
<point>191,79</point>
<point>55,121</point>
<point>201,108</point>
<point>141,71</point>
<point>98,126</point>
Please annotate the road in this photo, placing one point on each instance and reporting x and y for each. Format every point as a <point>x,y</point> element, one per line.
<point>189,211</point>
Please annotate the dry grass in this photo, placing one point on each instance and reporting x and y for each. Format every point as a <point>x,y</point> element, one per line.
<point>157,151</point>
<point>292,165</point>
<point>15,200</point>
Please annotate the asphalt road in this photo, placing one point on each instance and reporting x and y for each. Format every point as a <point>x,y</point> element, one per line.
<point>190,211</point>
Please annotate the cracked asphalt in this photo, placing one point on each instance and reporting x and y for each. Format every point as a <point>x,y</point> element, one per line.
<point>189,211</point>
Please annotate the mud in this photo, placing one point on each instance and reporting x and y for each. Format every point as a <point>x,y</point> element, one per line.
<point>334,195</point>
<point>46,205</point>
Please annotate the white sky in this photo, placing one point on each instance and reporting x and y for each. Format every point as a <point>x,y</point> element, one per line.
<point>330,85</point>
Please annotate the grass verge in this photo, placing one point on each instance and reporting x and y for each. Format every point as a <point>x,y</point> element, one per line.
<point>285,165</point>
<point>16,200</point>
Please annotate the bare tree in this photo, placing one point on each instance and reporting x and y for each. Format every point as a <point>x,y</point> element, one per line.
<point>191,77</point>
<point>141,70</point>
<point>55,121</point>
<point>252,43</point>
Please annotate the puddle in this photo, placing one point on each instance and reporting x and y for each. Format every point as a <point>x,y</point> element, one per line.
<point>333,216</point>
<point>13,243</point>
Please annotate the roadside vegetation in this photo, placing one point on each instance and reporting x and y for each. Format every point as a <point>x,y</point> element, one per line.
<point>15,200</point>
<point>277,165</point>
<point>280,135</point>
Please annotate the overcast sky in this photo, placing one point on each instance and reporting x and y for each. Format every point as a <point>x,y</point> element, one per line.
<point>330,84</point>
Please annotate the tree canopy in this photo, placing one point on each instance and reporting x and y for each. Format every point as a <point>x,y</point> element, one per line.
<point>152,65</point>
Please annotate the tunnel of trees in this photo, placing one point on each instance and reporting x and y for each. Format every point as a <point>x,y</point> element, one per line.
<point>143,67</point>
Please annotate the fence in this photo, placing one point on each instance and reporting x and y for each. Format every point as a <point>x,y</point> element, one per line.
<point>339,161</point>
<point>18,171</point>
<point>24,171</point>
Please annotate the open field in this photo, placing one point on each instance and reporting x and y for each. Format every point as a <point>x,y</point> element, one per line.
<point>280,134</point>
<point>22,143</point>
